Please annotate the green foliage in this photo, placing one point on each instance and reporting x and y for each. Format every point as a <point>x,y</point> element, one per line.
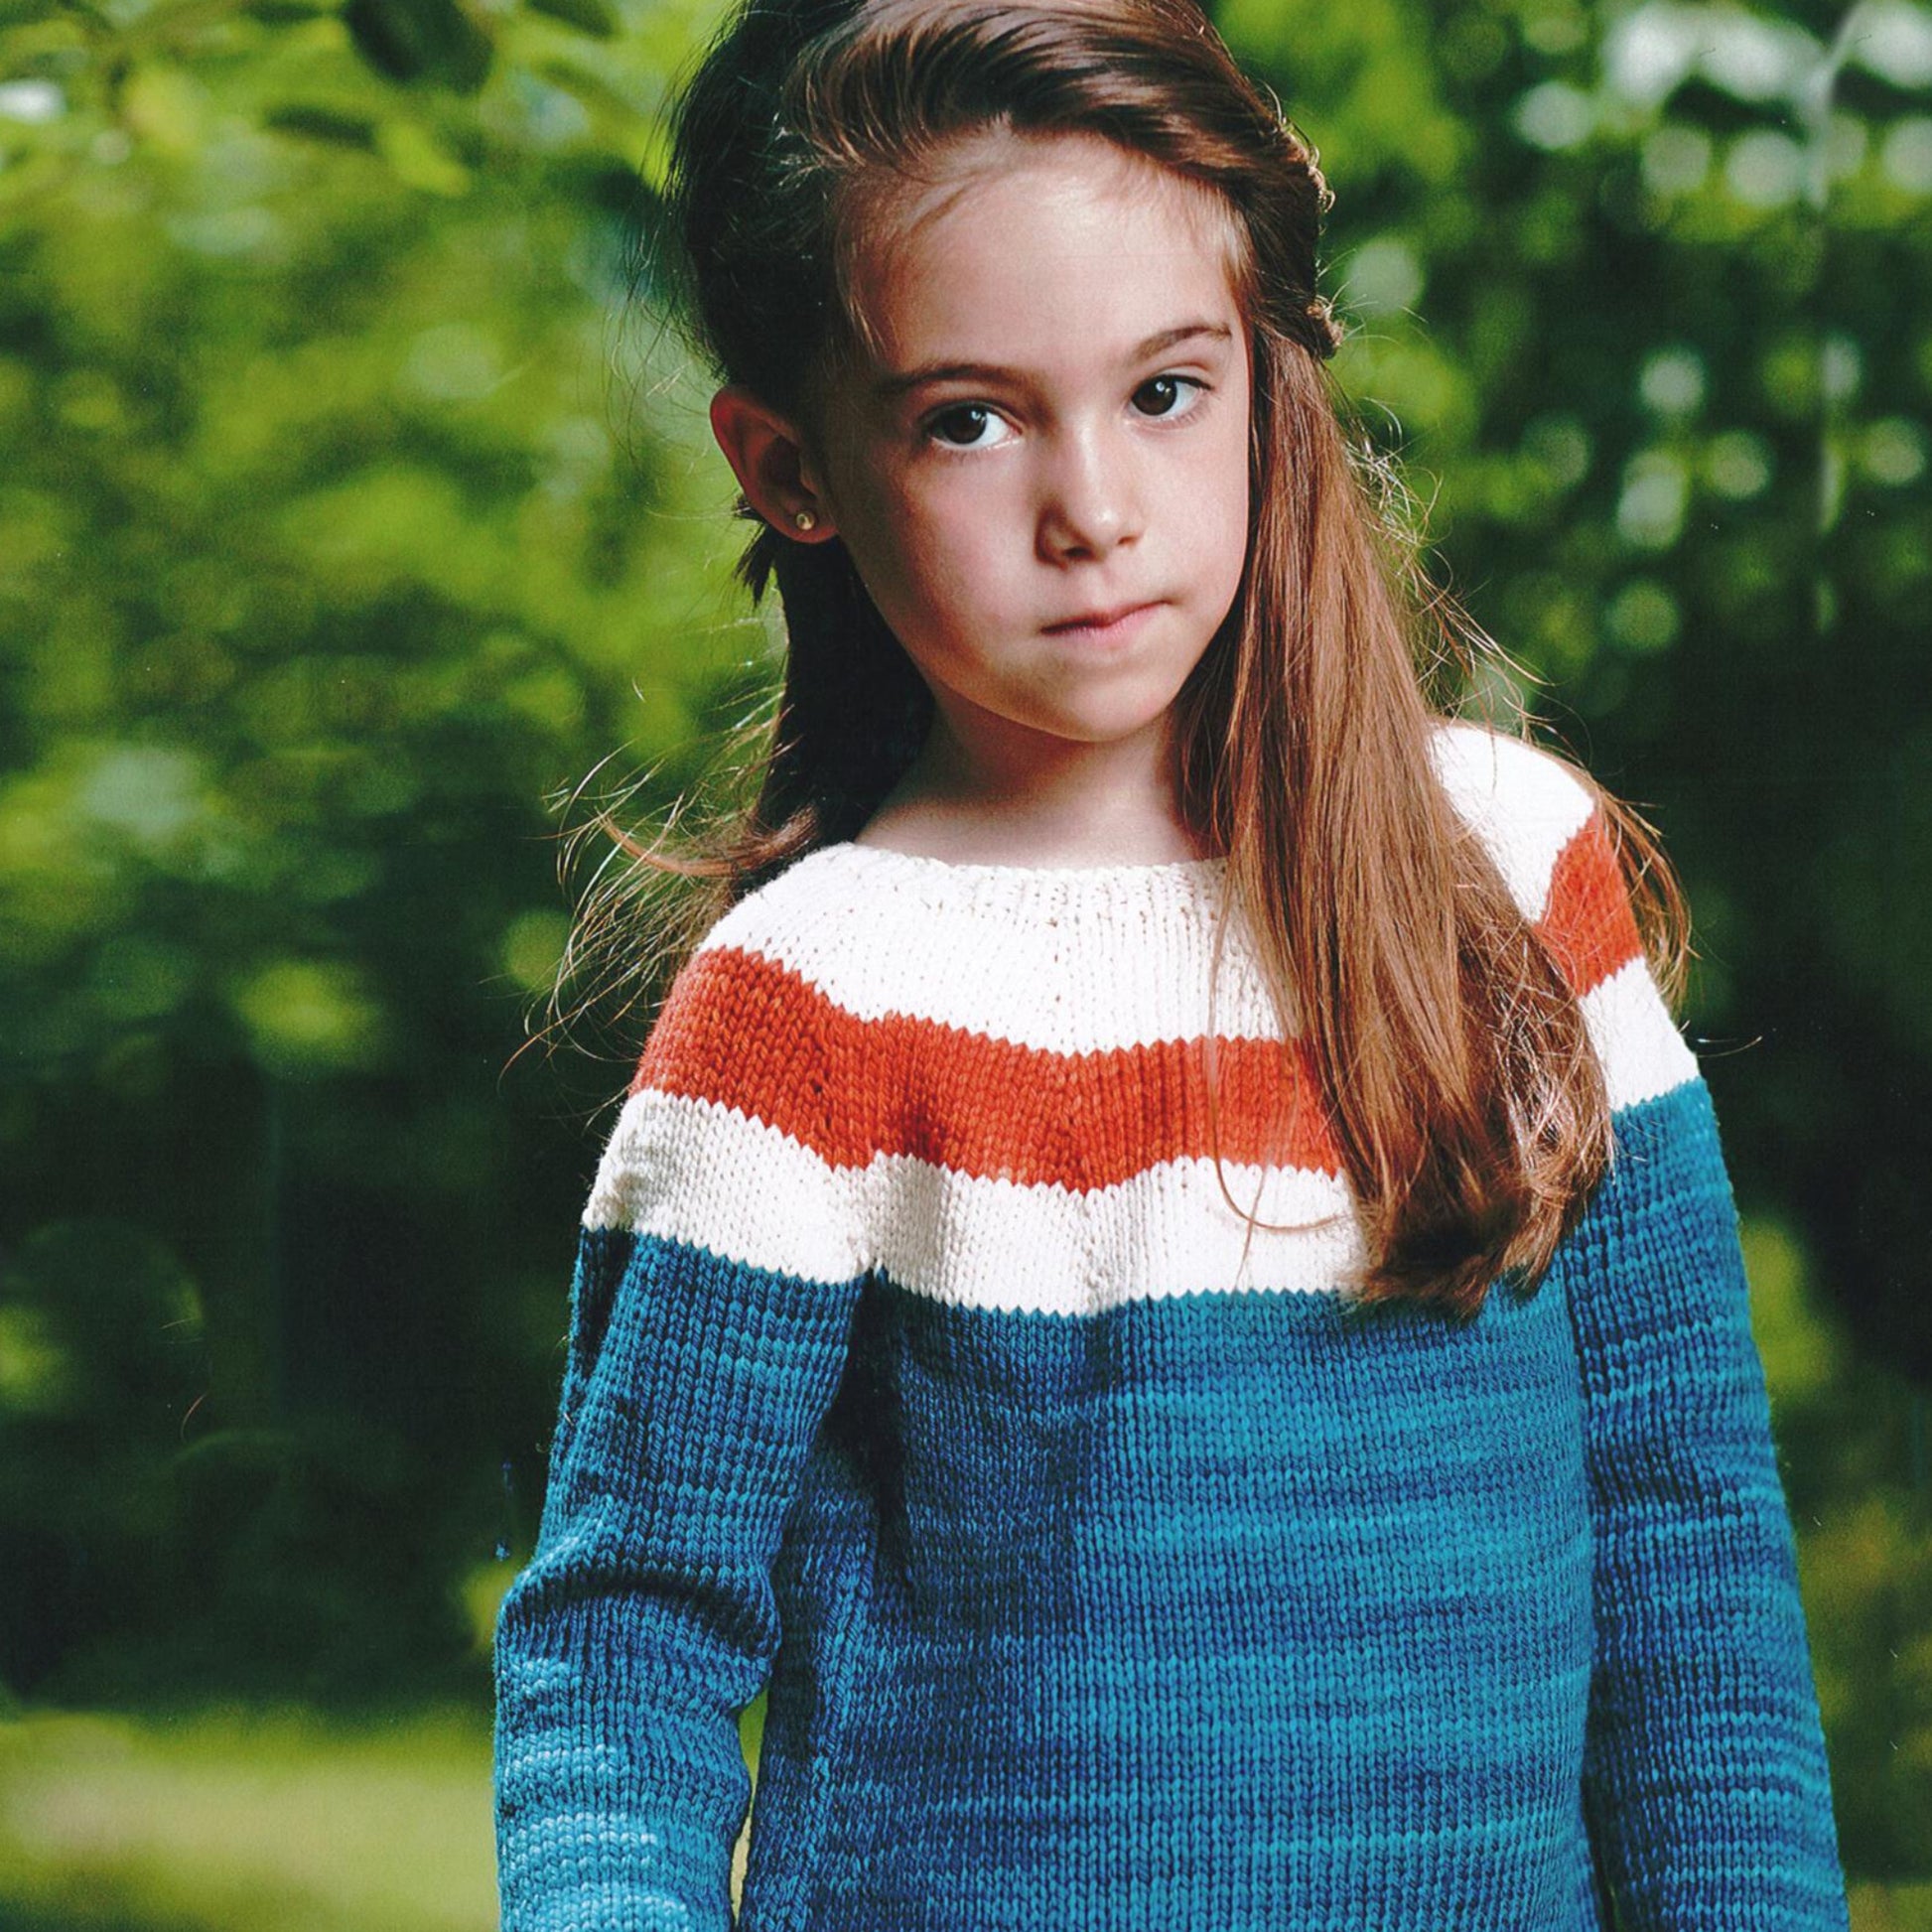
<point>328,550</point>
<point>1851,1435</point>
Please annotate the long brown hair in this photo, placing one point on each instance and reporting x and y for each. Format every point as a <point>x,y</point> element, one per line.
<point>1452,1059</point>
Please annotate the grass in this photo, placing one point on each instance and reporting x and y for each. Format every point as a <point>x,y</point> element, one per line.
<point>231,1820</point>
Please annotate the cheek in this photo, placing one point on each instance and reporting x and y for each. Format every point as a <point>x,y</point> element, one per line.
<point>884,542</point>
<point>1211,501</point>
<point>953,541</point>
<point>922,556</point>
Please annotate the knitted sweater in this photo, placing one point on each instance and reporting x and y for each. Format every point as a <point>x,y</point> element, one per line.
<point>1105,1570</point>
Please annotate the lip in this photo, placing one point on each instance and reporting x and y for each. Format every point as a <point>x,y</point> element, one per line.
<point>1103,626</point>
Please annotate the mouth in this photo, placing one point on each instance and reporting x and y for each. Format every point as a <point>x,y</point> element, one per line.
<point>1103,624</point>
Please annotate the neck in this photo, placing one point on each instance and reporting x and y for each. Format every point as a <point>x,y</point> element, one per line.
<point>1046,801</point>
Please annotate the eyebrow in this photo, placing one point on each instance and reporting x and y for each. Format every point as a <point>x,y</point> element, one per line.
<point>899,384</point>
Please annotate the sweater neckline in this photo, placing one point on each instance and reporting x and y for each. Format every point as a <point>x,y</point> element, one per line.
<point>968,870</point>
<point>1155,888</point>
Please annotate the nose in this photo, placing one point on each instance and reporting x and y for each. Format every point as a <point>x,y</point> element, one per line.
<point>1090,501</point>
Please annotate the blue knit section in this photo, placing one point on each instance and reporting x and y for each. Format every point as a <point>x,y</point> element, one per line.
<point>1236,1610</point>
<point>1705,1775</point>
<point>1242,1610</point>
<point>646,1618</point>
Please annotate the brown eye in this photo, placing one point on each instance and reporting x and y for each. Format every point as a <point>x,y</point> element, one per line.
<point>969,416</point>
<point>1170,386</point>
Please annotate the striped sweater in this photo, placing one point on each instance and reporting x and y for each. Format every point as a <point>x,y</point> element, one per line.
<point>1104,1568</point>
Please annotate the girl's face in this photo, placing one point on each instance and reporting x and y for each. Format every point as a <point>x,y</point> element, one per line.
<point>1056,431</point>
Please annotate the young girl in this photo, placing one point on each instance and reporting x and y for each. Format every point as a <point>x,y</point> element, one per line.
<point>1166,1283</point>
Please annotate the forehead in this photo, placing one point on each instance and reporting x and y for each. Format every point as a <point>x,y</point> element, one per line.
<point>1063,245</point>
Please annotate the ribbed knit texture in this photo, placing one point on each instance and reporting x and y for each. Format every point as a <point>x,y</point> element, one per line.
<point>1108,1578</point>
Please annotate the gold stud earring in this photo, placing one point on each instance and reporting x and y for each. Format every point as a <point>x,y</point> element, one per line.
<point>805,519</point>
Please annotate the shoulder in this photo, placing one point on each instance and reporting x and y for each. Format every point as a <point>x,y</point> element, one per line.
<point>1536,813</point>
<point>743,1019</point>
<point>726,1137</point>
<point>1541,820</point>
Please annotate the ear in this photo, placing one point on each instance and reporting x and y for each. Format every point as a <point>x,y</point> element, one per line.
<point>768,458</point>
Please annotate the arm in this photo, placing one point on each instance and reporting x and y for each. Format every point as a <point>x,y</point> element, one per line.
<point>716,1276</point>
<point>1705,1782</point>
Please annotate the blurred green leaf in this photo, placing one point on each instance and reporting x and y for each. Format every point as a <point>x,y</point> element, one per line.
<point>593,16</point>
<point>436,40</point>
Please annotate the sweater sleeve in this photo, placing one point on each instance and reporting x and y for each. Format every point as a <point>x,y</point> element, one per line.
<point>717,1269</point>
<point>1706,1786</point>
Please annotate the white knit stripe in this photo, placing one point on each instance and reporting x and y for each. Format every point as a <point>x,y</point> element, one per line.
<point>1061,986</point>
<point>1522,804</point>
<point>989,1243</point>
<point>693,1171</point>
<point>1635,1038</point>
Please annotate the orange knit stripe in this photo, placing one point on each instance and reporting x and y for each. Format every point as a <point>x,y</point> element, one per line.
<point>745,1032</point>
<point>1588,924</point>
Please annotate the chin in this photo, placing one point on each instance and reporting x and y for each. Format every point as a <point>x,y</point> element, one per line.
<point>1104,730</point>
